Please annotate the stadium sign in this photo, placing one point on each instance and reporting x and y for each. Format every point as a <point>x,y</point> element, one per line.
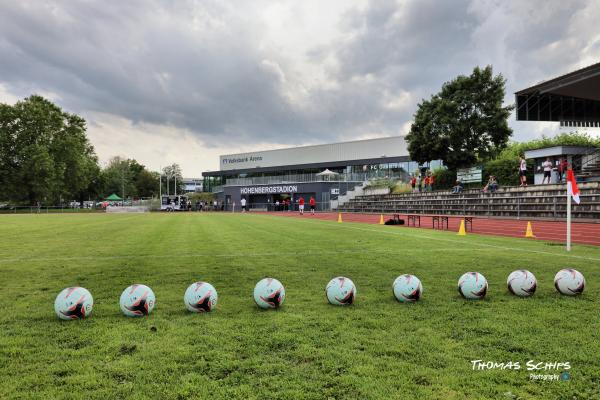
<point>269,189</point>
<point>469,175</point>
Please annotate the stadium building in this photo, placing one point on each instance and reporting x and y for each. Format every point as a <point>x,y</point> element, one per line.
<point>324,172</point>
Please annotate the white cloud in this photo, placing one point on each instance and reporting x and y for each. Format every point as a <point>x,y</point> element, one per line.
<point>186,81</point>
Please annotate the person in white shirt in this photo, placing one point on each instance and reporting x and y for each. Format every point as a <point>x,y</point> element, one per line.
<point>547,165</point>
<point>243,201</point>
<point>523,171</point>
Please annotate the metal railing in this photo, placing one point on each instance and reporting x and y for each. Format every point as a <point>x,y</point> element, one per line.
<point>489,205</point>
<point>308,178</point>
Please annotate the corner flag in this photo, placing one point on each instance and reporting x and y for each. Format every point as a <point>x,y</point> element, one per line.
<point>572,189</point>
<point>572,192</point>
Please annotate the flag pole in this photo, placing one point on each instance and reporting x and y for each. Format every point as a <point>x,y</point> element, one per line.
<point>568,221</point>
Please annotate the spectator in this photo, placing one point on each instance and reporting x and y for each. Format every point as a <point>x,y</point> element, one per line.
<point>277,205</point>
<point>429,181</point>
<point>215,204</point>
<point>547,165</point>
<point>523,170</point>
<point>312,203</point>
<point>413,182</point>
<point>243,201</point>
<point>563,165</point>
<point>458,188</point>
<point>492,185</point>
<point>420,182</point>
<point>198,205</point>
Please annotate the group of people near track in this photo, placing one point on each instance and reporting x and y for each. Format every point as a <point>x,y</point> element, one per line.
<point>286,205</point>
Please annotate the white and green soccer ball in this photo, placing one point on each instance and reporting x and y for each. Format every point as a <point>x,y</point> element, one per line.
<point>74,303</point>
<point>521,283</point>
<point>341,291</point>
<point>569,282</point>
<point>472,285</point>
<point>269,293</point>
<point>407,288</point>
<point>200,297</point>
<point>137,300</point>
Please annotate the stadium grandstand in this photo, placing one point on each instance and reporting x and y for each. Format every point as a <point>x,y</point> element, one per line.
<point>573,100</point>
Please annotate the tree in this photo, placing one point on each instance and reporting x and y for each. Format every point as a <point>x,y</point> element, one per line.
<point>45,155</point>
<point>169,174</point>
<point>462,124</point>
<point>128,178</point>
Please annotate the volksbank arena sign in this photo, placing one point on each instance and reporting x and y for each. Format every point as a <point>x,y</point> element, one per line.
<point>269,189</point>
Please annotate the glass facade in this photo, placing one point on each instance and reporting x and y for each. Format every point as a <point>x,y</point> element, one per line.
<point>401,170</point>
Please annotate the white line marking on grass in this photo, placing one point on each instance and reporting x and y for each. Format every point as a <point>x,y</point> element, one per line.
<point>229,255</point>
<point>420,236</point>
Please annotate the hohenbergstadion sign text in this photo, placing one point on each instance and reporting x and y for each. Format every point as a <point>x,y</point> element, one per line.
<point>269,189</point>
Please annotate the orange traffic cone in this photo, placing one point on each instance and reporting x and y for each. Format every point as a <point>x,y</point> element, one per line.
<point>529,231</point>
<point>381,221</point>
<point>340,218</point>
<point>461,230</point>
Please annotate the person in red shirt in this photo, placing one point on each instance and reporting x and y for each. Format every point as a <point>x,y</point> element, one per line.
<point>312,203</point>
<point>301,205</point>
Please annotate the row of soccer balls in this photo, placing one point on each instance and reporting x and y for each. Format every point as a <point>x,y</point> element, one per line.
<point>139,300</point>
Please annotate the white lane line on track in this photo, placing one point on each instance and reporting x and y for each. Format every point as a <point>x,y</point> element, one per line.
<point>231,255</point>
<point>420,236</point>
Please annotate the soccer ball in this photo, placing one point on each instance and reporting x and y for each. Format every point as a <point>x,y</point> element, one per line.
<point>73,303</point>
<point>407,288</point>
<point>269,293</point>
<point>472,285</point>
<point>340,291</point>
<point>521,283</point>
<point>137,300</point>
<point>569,281</point>
<point>200,297</point>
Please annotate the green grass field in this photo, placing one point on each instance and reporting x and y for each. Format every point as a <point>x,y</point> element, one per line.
<point>376,349</point>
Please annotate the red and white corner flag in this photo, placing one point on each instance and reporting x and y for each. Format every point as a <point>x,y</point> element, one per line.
<point>572,189</point>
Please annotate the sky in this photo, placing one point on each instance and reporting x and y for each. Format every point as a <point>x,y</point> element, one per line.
<point>186,81</point>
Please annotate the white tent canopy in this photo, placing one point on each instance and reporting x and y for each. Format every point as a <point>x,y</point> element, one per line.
<point>327,172</point>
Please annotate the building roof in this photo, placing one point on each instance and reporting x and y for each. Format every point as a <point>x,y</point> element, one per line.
<point>583,83</point>
<point>388,147</point>
<point>573,99</point>
<point>553,151</point>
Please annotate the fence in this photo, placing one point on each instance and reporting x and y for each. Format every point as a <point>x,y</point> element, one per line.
<point>152,204</point>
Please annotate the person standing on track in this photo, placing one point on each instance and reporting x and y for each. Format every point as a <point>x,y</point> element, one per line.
<point>312,203</point>
<point>301,205</point>
<point>243,201</point>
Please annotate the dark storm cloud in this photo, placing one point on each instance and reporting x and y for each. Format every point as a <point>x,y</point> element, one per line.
<point>202,65</point>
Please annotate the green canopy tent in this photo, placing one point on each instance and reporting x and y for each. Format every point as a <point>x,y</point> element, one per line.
<point>113,197</point>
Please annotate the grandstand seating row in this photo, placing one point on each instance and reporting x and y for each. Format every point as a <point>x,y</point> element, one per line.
<point>539,201</point>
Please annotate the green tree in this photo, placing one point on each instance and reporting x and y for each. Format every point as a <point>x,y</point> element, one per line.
<point>462,124</point>
<point>129,178</point>
<point>170,174</point>
<point>45,155</point>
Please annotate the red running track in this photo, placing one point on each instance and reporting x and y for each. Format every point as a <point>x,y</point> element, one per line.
<point>581,232</point>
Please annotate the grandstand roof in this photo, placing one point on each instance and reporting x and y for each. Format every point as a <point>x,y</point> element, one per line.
<point>571,98</point>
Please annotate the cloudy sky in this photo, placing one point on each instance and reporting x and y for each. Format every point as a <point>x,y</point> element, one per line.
<point>185,81</point>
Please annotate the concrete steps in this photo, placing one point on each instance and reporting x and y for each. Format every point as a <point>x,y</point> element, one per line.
<point>540,201</point>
